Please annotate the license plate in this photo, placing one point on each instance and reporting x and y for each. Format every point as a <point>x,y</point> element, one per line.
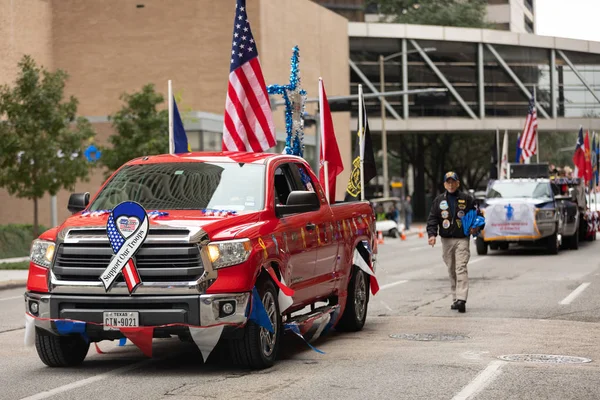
<point>113,320</point>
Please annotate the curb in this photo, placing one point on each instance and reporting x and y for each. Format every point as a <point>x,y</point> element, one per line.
<point>13,284</point>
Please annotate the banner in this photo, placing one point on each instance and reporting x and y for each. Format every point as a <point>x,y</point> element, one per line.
<point>510,221</point>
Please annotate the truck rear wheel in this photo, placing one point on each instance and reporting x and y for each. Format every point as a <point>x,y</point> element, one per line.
<point>258,348</point>
<point>60,351</point>
<point>355,314</point>
<point>482,247</point>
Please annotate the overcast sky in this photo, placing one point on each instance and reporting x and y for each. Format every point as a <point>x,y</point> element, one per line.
<point>575,19</point>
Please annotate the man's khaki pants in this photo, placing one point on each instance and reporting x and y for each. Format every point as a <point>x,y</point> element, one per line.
<point>456,254</point>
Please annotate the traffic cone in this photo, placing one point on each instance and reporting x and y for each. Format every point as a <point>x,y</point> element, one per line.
<point>403,236</point>
<point>379,237</point>
<point>421,234</point>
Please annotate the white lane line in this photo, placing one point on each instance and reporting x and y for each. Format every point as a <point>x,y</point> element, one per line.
<point>476,260</point>
<point>418,248</point>
<point>12,298</point>
<point>575,293</point>
<point>484,378</point>
<point>13,260</point>
<point>84,382</point>
<point>389,285</point>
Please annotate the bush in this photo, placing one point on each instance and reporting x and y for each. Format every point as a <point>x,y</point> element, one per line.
<point>15,240</point>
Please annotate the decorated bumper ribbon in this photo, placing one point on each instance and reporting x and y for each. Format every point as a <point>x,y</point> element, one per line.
<point>127,229</point>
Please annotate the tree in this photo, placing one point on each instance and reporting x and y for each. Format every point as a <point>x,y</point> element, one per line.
<point>141,129</point>
<point>461,13</point>
<point>42,140</point>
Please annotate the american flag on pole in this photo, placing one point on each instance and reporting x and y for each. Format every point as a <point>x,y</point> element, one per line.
<point>528,139</point>
<point>248,121</point>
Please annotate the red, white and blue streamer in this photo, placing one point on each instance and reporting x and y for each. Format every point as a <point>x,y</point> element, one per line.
<point>127,229</point>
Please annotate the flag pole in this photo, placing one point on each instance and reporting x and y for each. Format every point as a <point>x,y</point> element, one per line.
<point>322,150</point>
<point>361,134</point>
<point>537,135</point>
<point>498,161</point>
<point>170,100</point>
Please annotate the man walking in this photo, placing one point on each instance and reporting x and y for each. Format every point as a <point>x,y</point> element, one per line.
<point>445,218</point>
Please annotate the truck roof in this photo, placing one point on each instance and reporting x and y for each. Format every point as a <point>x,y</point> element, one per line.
<point>224,157</point>
<point>542,180</point>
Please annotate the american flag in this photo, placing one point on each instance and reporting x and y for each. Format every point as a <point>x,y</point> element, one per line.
<point>130,273</point>
<point>528,139</point>
<point>248,120</point>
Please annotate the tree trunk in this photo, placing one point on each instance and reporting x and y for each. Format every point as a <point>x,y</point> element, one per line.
<point>35,218</point>
<point>420,210</point>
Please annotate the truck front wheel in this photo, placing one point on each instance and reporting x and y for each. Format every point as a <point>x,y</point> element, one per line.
<point>258,348</point>
<point>355,314</point>
<point>60,351</point>
<point>482,247</point>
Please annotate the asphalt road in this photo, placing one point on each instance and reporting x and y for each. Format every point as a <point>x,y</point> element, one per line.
<point>521,302</point>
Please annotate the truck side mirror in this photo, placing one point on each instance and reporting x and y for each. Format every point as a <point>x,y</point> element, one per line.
<point>78,202</point>
<point>299,201</point>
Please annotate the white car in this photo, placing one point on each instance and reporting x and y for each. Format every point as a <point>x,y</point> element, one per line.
<point>388,227</point>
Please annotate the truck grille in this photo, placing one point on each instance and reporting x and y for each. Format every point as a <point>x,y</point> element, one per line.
<point>155,262</point>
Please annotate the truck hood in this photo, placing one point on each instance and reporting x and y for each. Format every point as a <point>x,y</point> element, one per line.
<point>218,227</point>
<point>538,202</point>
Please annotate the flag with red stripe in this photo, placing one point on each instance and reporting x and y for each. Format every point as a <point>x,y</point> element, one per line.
<point>248,122</point>
<point>529,137</point>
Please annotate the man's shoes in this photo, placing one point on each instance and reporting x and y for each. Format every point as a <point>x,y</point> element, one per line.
<point>461,306</point>
<point>454,306</point>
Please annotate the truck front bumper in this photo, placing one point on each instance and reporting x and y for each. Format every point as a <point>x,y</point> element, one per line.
<point>168,314</point>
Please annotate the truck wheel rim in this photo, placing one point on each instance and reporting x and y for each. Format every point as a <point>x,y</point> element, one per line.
<point>267,339</point>
<point>360,295</point>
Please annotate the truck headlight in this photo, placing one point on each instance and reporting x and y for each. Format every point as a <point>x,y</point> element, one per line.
<point>545,214</point>
<point>228,253</point>
<point>42,252</point>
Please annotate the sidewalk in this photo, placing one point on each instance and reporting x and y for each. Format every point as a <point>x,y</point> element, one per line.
<point>12,278</point>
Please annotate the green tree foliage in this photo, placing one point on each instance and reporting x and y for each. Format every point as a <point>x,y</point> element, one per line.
<point>462,13</point>
<point>141,128</point>
<point>42,140</point>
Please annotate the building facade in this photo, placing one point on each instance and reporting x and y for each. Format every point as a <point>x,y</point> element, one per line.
<point>506,15</point>
<point>110,47</point>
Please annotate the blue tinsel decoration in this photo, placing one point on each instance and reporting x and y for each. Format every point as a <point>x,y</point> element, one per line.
<point>294,142</point>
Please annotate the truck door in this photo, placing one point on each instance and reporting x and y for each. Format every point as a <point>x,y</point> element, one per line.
<point>300,240</point>
<point>327,245</point>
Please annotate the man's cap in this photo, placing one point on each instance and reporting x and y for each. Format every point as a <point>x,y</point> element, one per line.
<point>450,175</point>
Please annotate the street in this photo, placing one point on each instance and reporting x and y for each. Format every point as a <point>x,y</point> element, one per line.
<point>413,346</point>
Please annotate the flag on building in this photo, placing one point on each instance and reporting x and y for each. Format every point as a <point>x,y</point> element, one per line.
<point>330,160</point>
<point>248,123</point>
<point>354,189</point>
<point>494,173</point>
<point>180,141</point>
<point>579,156</point>
<point>519,154</point>
<point>504,158</point>
<point>594,159</point>
<point>529,138</point>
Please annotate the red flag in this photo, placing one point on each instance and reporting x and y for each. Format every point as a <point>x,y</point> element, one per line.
<point>579,156</point>
<point>330,153</point>
<point>141,337</point>
<point>588,158</point>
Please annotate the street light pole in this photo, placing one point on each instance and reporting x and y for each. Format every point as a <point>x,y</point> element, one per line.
<point>386,189</point>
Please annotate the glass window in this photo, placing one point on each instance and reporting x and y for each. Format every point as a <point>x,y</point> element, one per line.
<point>186,186</point>
<point>505,190</point>
<point>211,141</point>
<point>574,99</point>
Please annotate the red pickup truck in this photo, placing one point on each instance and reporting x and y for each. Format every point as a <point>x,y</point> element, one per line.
<point>219,227</point>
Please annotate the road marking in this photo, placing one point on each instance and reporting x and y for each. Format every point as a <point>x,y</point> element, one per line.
<point>84,382</point>
<point>484,378</point>
<point>13,260</point>
<point>575,293</point>
<point>389,285</point>
<point>386,306</point>
<point>12,298</point>
<point>477,260</point>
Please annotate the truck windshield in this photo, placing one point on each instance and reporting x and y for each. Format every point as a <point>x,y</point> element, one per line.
<point>501,189</point>
<point>186,186</point>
